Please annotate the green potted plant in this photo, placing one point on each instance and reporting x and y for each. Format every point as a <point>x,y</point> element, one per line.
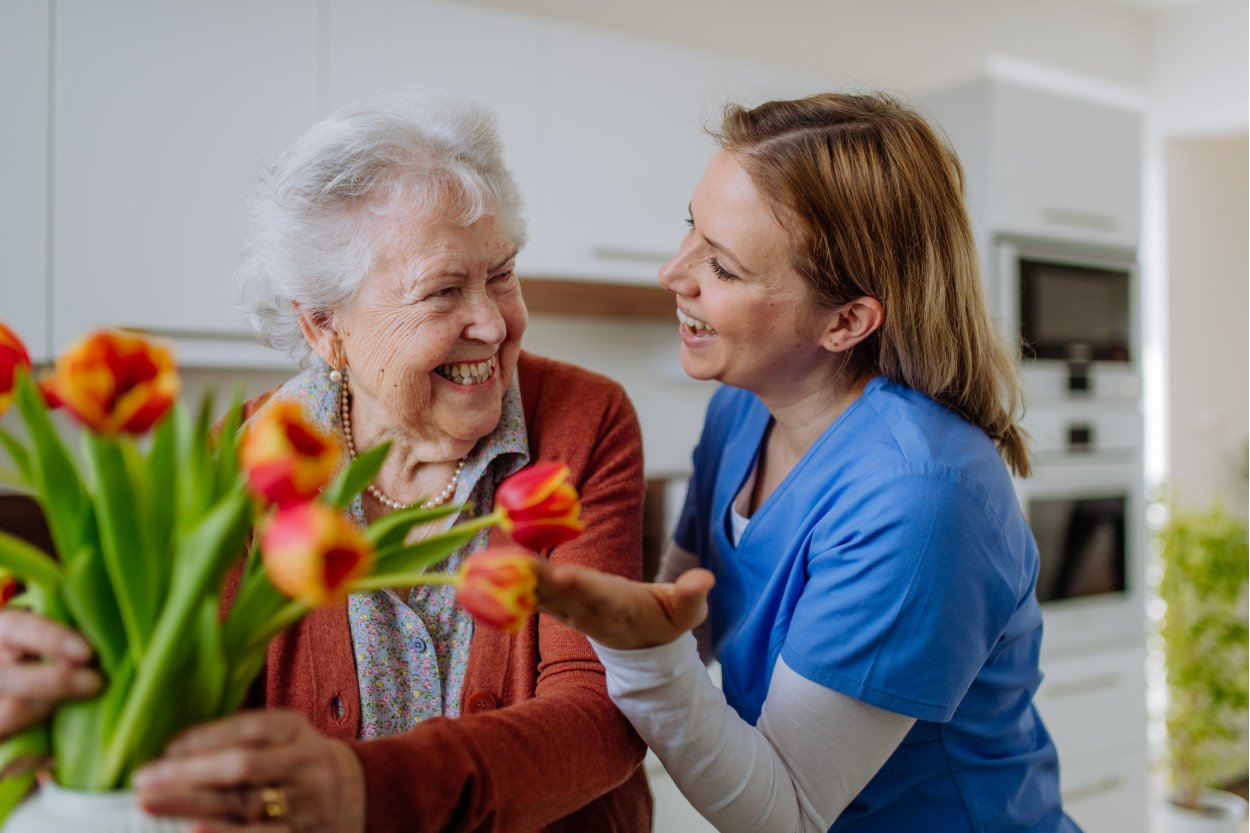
<point>1203,555</point>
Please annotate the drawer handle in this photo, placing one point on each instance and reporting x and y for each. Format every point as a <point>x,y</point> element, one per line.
<point>1102,681</point>
<point>1097,788</point>
<point>631,255</point>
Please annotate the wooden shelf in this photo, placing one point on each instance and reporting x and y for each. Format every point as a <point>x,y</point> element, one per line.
<point>597,299</point>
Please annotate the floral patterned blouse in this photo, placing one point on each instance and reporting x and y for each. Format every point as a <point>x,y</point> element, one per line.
<point>411,654</point>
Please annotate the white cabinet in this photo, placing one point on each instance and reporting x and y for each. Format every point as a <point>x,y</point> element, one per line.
<point>25,28</point>
<point>627,145</point>
<point>1066,167</point>
<point>1043,164</point>
<point>1094,706</point>
<point>494,57</point>
<point>162,113</point>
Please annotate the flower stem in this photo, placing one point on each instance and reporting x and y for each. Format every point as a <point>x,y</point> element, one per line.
<point>384,580</point>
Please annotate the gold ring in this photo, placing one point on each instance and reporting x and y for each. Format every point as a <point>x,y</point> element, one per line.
<point>275,802</point>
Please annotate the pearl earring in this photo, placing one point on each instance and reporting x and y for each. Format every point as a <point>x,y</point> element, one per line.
<point>336,375</point>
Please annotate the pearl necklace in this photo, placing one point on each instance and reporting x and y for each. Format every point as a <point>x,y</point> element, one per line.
<point>345,417</point>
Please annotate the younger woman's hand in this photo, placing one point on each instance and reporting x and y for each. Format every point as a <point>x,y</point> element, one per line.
<point>620,613</point>
<point>42,663</point>
<point>262,771</point>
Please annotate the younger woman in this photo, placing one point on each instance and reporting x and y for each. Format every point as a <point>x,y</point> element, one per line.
<point>873,607</point>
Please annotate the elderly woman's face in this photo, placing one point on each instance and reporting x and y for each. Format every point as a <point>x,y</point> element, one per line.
<point>432,337</point>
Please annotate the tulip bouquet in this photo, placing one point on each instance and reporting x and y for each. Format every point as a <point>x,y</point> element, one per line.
<point>150,520</point>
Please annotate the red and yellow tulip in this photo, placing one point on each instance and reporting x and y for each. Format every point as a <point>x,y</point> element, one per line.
<point>312,553</point>
<point>114,382</point>
<point>497,585</point>
<point>8,588</point>
<point>12,356</point>
<point>539,507</point>
<point>286,458</point>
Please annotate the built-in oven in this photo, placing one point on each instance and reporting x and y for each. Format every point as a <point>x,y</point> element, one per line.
<point>1087,519</point>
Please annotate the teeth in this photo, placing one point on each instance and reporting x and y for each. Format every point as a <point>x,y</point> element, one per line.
<point>469,373</point>
<point>693,325</point>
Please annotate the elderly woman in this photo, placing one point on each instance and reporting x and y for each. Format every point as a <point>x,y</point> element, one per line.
<point>380,256</point>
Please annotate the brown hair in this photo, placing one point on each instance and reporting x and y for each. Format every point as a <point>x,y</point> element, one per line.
<point>875,201</point>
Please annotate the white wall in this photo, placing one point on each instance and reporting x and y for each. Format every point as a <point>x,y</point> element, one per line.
<point>1207,301</point>
<point>1195,248</point>
<point>1198,80</point>
<point>903,45</point>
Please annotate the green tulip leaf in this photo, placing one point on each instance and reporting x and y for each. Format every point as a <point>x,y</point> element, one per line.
<point>356,475</point>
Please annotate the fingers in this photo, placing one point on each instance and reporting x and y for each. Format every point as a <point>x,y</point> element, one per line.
<point>221,827</point>
<point>26,633</point>
<point>220,773</point>
<point>247,729</point>
<point>41,663</point>
<point>687,601</point>
<point>620,613</point>
<point>217,827</point>
<point>16,714</point>
<point>235,808</point>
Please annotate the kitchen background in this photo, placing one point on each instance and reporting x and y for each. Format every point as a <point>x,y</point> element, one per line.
<point>1106,146</point>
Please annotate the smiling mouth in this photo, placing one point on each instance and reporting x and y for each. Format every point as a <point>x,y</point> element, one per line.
<point>694,326</point>
<point>469,373</point>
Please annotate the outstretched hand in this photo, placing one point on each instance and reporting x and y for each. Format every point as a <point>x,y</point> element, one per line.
<point>620,613</point>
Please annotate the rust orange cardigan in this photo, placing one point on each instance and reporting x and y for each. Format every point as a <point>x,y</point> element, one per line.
<point>538,746</point>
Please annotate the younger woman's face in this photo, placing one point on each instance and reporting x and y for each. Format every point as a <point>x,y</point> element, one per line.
<point>746,316</point>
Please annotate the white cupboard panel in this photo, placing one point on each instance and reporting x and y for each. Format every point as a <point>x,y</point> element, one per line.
<point>1108,792</point>
<point>163,112</point>
<point>25,27</point>
<point>1094,701</point>
<point>1066,168</point>
<point>494,57</point>
<point>627,145</point>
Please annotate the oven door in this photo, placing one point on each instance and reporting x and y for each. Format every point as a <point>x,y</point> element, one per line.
<point>1086,519</point>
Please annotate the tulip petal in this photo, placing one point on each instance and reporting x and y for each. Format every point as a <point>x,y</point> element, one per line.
<point>531,485</point>
<point>498,587</point>
<point>115,382</point>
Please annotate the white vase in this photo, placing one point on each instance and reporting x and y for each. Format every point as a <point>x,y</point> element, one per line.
<point>1221,812</point>
<point>53,809</point>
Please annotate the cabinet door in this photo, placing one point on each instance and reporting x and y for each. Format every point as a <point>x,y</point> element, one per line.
<point>627,145</point>
<point>163,112</point>
<point>494,57</point>
<point>24,49</point>
<point>1066,167</point>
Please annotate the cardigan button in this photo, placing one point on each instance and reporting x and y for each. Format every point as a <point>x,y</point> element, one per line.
<point>336,707</point>
<point>482,701</point>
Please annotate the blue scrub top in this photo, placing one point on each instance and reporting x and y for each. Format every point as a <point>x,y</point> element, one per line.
<point>893,565</point>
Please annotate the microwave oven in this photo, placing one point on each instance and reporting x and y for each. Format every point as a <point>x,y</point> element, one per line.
<point>1073,309</point>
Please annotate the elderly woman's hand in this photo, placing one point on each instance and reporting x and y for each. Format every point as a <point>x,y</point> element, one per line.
<point>620,613</point>
<point>41,663</point>
<point>264,771</point>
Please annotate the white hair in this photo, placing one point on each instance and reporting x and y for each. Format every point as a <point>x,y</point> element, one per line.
<point>317,214</point>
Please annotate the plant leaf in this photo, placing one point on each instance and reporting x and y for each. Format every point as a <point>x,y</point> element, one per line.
<point>95,612</point>
<point>16,777</point>
<point>19,455</point>
<point>55,477</point>
<point>391,529</point>
<point>201,561</point>
<point>356,475</point>
<point>228,445</point>
<point>131,573</point>
<point>413,558</point>
<point>29,562</point>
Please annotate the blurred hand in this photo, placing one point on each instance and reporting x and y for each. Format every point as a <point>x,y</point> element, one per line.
<point>225,772</point>
<point>41,664</point>
<point>620,613</point>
